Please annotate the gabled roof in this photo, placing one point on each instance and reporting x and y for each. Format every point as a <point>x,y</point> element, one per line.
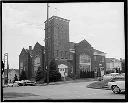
<point>37,45</point>
<point>23,51</point>
<point>83,42</point>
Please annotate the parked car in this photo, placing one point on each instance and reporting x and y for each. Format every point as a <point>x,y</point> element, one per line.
<point>20,83</point>
<point>10,84</point>
<point>15,84</point>
<point>117,85</point>
<point>110,76</point>
<point>28,82</point>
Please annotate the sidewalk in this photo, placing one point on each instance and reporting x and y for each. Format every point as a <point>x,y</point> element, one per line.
<point>71,81</point>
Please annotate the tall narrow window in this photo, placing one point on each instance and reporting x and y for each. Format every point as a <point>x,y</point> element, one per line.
<point>57,53</point>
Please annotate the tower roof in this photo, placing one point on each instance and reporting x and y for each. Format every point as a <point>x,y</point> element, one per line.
<point>58,18</point>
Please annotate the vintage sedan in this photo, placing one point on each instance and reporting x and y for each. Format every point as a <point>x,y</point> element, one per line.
<point>117,85</point>
<point>10,85</point>
<point>30,83</point>
<point>20,83</point>
<point>110,76</point>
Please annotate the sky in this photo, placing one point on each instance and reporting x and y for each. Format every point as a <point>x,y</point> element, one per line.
<point>101,24</point>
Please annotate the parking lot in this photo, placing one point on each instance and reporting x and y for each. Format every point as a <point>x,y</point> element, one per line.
<point>59,92</point>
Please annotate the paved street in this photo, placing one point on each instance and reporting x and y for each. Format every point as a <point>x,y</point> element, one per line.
<point>61,91</point>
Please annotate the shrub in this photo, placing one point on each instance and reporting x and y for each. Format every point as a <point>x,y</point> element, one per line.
<point>54,74</point>
<point>40,74</point>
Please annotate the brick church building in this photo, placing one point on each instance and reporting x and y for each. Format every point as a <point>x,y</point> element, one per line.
<point>73,57</point>
<point>30,59</point>
<point>76,56</point>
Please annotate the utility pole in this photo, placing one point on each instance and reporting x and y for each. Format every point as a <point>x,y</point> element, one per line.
<point>46,46</point>
<point>6,54</point>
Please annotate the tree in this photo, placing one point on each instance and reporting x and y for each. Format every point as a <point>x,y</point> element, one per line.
<point>41,74</point>
<point>23,75</point>
<point>53,65</point>
<point>54,74</point>
<point>15,78</point>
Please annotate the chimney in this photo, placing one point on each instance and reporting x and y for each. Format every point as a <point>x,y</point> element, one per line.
<point>30,48</point>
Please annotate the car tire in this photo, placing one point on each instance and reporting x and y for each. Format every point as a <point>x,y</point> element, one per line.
<point>116,89</point>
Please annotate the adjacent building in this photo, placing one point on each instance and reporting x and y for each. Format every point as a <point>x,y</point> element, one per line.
<point>11,75</point>
<point>123,64</point>
<point>113,64</point>
<point>99,62</point>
